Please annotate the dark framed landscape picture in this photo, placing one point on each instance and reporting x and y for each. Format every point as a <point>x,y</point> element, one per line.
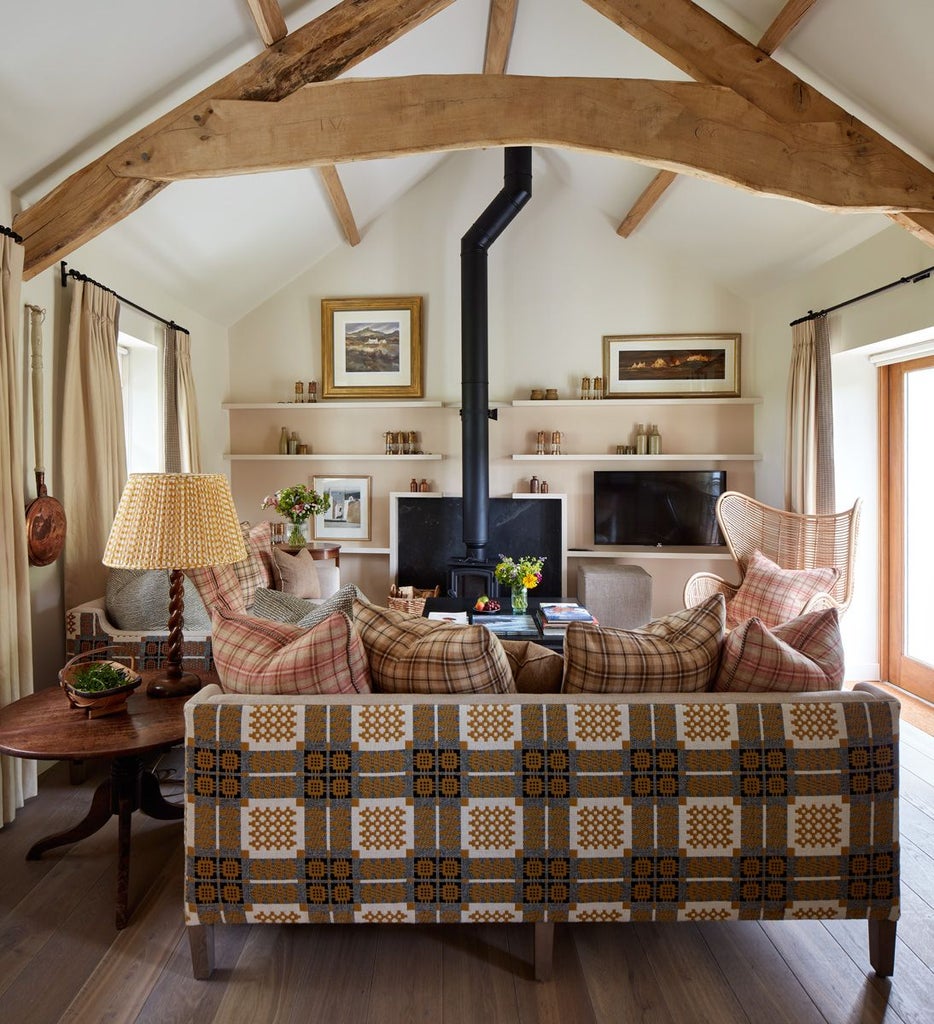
<point>348,517</point>
<point>671,365</point>
<point>372,347</point>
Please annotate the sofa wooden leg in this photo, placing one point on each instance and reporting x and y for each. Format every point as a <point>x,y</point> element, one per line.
<point>201,943</point>
<point>882,947</point>
<point>544,949</point>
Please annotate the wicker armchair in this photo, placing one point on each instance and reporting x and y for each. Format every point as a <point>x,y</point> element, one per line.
<point>790,539</point>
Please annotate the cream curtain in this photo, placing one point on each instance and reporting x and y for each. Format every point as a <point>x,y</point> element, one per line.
<point>182,444</point>
<point>93,442</point>
<point>17,777</point>
<point>809,462</point>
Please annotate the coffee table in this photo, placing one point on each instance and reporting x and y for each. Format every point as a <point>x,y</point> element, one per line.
<point>535,634</point>
<point>45,726</point>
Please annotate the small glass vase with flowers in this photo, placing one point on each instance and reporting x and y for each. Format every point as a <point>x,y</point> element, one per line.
<point>297,504</point>
<point>520,575</point>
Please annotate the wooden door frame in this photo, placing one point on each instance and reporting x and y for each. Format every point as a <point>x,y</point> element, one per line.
<point>891,532</point>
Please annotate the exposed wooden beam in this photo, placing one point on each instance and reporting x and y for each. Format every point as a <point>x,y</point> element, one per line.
<point>705,130</point>
<point>269,21</point>
<point>499,31</point>
<point>645,202</point>
<point>271,26</point>
<point>335,190</point>
<point>784,24</point>
<point>786,19</point>
<point>94,198</point>
<point>709,51</point>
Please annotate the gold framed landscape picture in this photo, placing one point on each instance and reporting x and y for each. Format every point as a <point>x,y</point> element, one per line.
<point>671,365</point>
<point>372,347</point>
<point>348,517</point>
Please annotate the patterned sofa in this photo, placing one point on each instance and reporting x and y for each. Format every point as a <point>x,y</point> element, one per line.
<point>540,808</point>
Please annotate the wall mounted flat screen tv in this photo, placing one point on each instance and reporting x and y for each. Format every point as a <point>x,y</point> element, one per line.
<point>660,509</point>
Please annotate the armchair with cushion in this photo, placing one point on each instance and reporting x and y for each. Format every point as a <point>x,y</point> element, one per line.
<point>792,541</point>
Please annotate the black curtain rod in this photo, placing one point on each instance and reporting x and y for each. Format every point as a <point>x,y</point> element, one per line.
<point>10,233</point>
<point>78,276</point>
<point>921,275</point>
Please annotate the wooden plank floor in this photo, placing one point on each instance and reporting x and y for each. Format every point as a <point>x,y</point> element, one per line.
<point>61,958</point>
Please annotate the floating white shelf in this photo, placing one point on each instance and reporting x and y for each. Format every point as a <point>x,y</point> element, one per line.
<point>331,404</point>
<point>363,551</point>
<point>641,553</point>
<point>315,457</point>
<point>645,460</point>
<point>621,403</point>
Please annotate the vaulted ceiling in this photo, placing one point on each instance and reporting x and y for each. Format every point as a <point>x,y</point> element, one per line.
<point>86,78</point>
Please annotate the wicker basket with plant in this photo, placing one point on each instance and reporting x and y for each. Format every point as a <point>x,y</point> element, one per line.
<point>99,686</point>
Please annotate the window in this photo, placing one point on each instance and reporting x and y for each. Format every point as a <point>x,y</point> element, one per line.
<point>140,365</point>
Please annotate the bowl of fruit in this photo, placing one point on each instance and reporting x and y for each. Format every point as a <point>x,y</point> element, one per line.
<point>486,605</point>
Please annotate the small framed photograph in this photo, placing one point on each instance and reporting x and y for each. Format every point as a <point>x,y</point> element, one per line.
<point>372,348</point>
<point>348,517</point>
<point>671,365</point>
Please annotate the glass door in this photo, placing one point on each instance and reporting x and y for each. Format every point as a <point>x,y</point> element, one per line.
<point>908,525</point>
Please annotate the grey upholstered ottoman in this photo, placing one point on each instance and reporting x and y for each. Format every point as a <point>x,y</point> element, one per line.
<point>618,595</point>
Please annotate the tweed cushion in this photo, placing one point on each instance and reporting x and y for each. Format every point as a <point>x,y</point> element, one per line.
<point>282,607</point>
<point>219,587</point>
<point>677,653</point>
<point>296,574</point>
<point>138,599</point>
<point>256,570</point>
<point>258,656</point>
<point>776,595</point>
<point>409,654</point>
<point>535,669</point>
<point>804,654</point>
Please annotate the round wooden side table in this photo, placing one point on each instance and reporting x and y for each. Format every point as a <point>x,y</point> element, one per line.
<point>318,549</point>
<point>44,726</point>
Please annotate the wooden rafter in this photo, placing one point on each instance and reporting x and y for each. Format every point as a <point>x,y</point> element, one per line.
<point>641,207</point>
<point>499,32</point>
<point>335,190</point>
<point>706,130</point>
<point>94,198</point>
<point>785,21</point>
<point>709,51</point>
<point>267,14</point>
<point>784,24</point>
<point>271,26</point>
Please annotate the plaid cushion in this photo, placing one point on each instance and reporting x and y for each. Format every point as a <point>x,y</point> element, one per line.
<point>409,654</point>
<point>258,656</point>
<point>297,574</point>
<point>776,595</point>
<point>218,587</point>
<point>677,653</point>
<point>804,654</point>
<point>256,569</point>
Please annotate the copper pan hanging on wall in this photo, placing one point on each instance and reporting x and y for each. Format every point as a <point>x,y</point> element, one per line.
<point>45,516</point>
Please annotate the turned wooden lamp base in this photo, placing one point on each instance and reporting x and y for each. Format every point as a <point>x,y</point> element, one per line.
<point>174,681</point>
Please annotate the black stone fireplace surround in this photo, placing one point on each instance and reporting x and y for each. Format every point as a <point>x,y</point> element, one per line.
<point>430,543</point>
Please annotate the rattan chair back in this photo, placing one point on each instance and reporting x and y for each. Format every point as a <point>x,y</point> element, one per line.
<point>791,539</point>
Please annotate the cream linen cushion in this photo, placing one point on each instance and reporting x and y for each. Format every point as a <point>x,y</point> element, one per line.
<point>804,654</point>
<point>259,656</point>
<point>675,654</point>
<point>776,595</point>
<point>409,654</point>
<point>296,574</point>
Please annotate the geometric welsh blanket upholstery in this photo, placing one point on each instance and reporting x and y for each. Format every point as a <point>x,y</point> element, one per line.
<point>383,809</point>
<point>87,629</point>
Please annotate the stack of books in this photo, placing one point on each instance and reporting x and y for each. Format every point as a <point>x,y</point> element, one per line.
<point>555,618</point>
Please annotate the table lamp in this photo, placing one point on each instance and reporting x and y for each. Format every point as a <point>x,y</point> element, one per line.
<point>175,521</point>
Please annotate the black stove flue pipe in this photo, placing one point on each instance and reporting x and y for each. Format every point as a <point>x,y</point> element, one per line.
<point>475,383</point>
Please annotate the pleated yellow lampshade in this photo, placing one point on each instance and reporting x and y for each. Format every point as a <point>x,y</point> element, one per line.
<point>175,521</point>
